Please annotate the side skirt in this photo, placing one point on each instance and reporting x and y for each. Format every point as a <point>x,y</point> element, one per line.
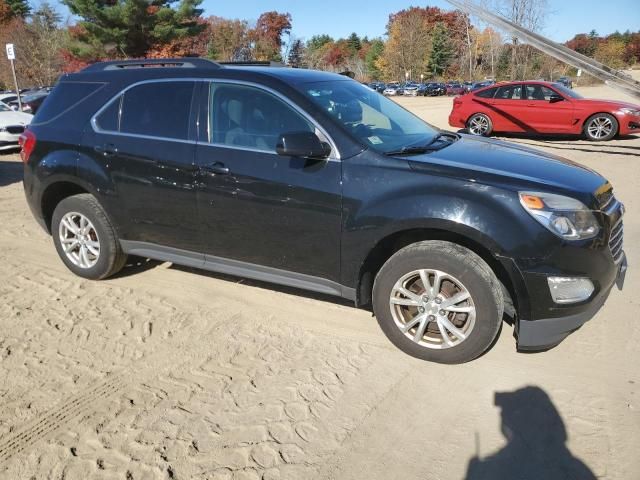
<point>237,268</point>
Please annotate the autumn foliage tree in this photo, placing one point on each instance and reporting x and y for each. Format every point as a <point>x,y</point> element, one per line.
<point>266,36</point>
<point>130,28</point>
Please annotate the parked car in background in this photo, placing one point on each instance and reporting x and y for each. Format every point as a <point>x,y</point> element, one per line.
<point>479,85</point>
<point>12,125</point>
<point>410,89</point>
<point>454,88</point>
<point>467,86</point>
<point>542,108</point>
<point>566,81</point>
<point>392,89</point>
<point>7,98</point>
<point>435,89</point>
<point>30,103</point>
<point>378,86</point>
<point>309,179</point>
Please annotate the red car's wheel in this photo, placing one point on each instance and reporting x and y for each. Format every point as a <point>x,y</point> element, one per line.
<point>601,127</point>
<point>479,124</point>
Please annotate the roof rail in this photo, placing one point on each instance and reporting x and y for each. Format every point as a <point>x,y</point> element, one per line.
<point>194,62</point>
<point>253,63</point>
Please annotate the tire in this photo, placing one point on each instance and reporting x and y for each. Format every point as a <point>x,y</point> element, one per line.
<point>600,127</point>
<point>456,265</point>
<point>480,125</point>
<point>93,234</point>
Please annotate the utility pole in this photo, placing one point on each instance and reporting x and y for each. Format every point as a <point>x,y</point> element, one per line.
<point>11,55</point>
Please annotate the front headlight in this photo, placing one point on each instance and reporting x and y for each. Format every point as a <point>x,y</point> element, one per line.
<point>565,216</point>
<point>631,111</point>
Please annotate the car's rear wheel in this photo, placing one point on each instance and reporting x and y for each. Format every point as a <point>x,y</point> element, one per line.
<point>601,127</point>
<point>438,301</point>
<point>479,124</point>
<point>84,238</point>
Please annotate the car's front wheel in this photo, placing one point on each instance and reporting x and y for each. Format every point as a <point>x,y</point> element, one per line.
<point>479,124</point>
<point>85,240</point>
<point>601,127</point>
<point>438,301</point>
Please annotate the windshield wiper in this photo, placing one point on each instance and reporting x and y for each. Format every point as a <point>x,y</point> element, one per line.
<point>434,144</point>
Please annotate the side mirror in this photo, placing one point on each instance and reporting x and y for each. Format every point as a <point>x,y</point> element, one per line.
<point>555,99</point>
<point>302,144</point>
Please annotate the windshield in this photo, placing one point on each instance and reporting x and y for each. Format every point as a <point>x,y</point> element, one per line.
<point>373,119</point>
<point>566,91</point>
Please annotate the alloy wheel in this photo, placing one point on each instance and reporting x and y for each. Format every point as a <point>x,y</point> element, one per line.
<point>79,240</point>
<point>432,308</point>
<point>479,125</point>
<point>600,127</point>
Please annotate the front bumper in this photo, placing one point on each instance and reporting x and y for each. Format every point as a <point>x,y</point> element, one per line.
<point>629,124</point>
<point>544,333</point>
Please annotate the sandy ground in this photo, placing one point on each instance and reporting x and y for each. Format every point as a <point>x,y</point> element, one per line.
<point>166,372</point>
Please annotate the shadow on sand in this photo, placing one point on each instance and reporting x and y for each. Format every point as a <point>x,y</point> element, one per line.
<point>536,447</point>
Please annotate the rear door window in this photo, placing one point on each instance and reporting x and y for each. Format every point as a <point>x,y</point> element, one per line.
<point>509,92</point>
<point>157,109</point>
<point>488,93</point>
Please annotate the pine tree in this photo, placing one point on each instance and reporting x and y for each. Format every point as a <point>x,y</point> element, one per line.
<point>441,51</point>
<point>296,54</point>
<point>354,42</point>
<point>130,28</point>
<point>19,8</point>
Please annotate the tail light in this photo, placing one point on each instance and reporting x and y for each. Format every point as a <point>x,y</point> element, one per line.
<point>27,142</point>
<point>457,101</point>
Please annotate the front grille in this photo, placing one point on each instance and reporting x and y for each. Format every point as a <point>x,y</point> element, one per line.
<point>15,128</point>
<point>616,240</point>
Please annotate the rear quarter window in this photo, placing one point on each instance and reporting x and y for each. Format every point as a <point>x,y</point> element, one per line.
<point>63,98</point>
<point>488,93</point>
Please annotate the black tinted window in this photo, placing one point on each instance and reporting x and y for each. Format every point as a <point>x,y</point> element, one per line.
<point>248,117</point>
<point>488,93</point>
<point>510,92</point>
<point>157,109</point>
<point>109,118</point>
<point>63,97</point>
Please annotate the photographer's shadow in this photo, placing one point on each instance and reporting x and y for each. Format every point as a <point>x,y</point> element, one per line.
<point>536,447</point>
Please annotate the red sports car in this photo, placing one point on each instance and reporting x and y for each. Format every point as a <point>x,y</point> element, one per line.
<point>542,107</point>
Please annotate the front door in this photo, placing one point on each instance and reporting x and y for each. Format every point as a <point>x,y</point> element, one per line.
<point>547,115</point>
<point>254,205</point>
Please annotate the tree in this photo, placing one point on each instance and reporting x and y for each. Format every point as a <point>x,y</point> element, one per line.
<point>440,50</point>
<point>611,53</point>
<point>530,14</point>
<point>318,41</point>
<point>267,35</point>
<point>6,14</point>
<point>130,28</point>
<point>19,8</point>
<point>376,49</point>
<point>228,39</point>
<point>354,42</point>
<point>296,54</point>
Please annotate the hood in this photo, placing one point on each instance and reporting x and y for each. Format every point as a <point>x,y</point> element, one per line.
<point>611,103</point>
<point>482,158</point>
<point>14,118</point>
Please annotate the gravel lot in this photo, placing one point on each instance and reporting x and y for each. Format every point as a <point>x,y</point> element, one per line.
<point>167,372</point>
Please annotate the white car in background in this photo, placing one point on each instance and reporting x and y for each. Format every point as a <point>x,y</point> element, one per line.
<point>12,124</point>
<point>392,89</point>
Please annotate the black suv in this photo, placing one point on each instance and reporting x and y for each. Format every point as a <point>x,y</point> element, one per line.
<point>312,180</point>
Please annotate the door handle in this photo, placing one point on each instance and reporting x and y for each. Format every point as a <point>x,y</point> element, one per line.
<point>107,149</point>
<point>216,168</point>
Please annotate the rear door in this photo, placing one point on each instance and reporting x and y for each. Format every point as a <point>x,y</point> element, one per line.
<point>546,115</point>
<point>145,139</point>
<point>509,111</point>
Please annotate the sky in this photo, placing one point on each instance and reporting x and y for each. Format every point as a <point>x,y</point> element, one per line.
<point>339,18</point>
